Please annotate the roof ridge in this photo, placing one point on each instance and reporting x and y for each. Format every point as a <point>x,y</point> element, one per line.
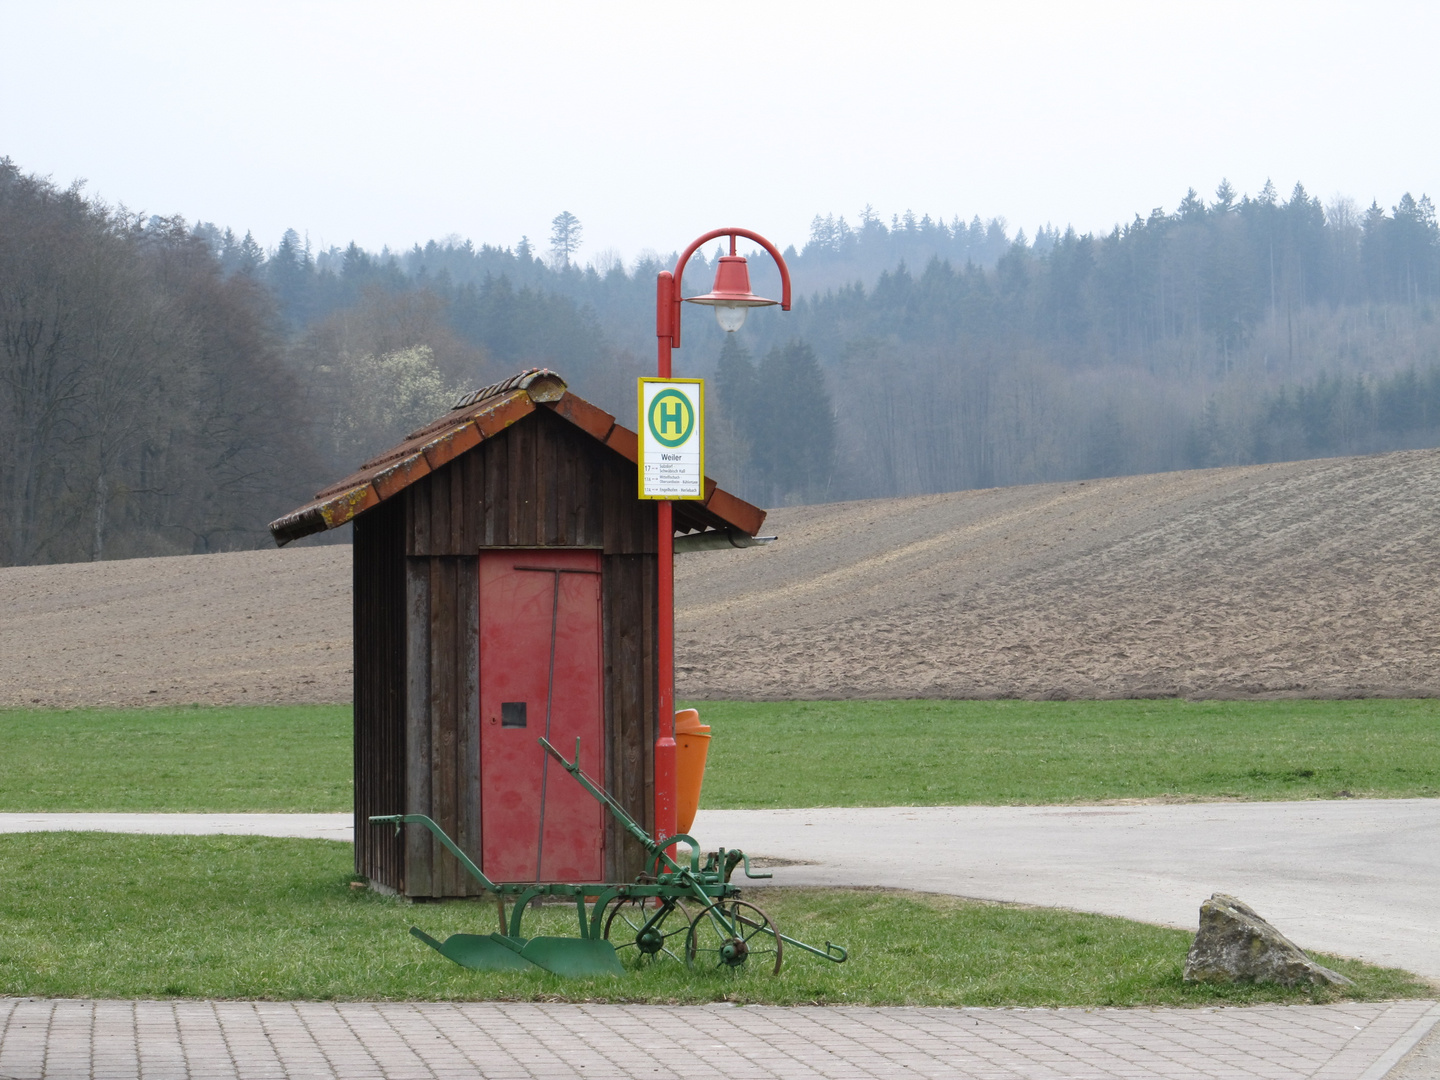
<point>521,381</point>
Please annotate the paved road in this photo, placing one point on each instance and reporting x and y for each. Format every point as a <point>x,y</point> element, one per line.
<point>1357,877</point>
<point>161,1040</point>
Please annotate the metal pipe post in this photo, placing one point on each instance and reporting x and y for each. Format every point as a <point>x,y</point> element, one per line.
<point>665,809</point>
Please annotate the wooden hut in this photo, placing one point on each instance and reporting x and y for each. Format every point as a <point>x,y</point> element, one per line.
<point>505,577</point>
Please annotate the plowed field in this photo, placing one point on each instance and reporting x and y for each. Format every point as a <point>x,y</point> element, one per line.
<point>1315,578</point>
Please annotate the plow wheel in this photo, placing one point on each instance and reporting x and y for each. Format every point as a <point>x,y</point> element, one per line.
<point>731,933</point>
<point>639,930</point>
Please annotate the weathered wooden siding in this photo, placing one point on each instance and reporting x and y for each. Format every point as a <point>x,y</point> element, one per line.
<point>442,710</point>
<point>539,483</point>
<point>378,561</point>
<point>629,585</point>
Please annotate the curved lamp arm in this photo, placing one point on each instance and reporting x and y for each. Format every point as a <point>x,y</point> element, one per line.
<point>667,293</point>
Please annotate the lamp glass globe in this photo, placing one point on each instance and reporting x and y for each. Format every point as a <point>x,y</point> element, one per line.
<point>731,317</point>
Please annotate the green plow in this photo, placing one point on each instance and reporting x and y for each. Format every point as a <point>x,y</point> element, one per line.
<point>688,911</point>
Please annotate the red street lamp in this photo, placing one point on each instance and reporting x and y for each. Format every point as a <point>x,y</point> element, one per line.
<point>732,299</point>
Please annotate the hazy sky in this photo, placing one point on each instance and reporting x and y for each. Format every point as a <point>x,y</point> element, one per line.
<point>391,123</point>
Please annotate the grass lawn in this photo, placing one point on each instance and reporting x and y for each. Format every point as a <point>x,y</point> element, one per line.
<point>775,754</point>
<point>258,758</point>
<point>938,753</point>
<point>94,915</point>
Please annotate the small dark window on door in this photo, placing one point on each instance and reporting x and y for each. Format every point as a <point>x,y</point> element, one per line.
<point>512,714</point>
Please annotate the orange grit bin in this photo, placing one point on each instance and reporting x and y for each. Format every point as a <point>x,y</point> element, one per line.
<point>692,743</point>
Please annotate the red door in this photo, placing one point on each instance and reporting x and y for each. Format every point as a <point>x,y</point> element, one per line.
<point>526,599</point>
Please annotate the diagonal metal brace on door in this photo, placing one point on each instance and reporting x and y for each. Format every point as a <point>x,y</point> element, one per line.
<point>549,696</point>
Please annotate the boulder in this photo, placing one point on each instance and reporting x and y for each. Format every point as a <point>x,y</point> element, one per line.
<point>1236,945</point>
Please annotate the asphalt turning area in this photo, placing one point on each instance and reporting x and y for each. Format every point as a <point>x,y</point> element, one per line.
<point>1357,877</point>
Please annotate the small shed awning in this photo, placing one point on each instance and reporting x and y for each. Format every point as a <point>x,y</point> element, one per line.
<point>479,416</point>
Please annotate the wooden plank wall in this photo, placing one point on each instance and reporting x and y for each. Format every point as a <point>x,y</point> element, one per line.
<point>441,733</point>
<point>540,483</point>
<point>629,605</point>
<point>378,562</point>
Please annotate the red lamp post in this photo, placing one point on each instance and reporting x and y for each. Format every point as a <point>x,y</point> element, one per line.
<point>731,298</point>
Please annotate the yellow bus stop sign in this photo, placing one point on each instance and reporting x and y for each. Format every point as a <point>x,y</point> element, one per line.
<point>672,438</point>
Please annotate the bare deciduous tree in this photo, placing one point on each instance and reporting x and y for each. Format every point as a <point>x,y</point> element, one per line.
<point>143,405</point>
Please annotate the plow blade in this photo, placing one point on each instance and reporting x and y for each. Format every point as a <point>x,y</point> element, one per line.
<point>479,951</point>
<point>574,957</point>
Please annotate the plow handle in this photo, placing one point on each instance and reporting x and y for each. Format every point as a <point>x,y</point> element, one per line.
<point>420,819</point>
<point>656,851</point>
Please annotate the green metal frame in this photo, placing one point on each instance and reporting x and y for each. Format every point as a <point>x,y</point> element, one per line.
<point>707,884</point>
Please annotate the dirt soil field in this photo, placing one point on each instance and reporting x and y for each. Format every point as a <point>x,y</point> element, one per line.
<point>1315,579</point>
<point>268,627</point>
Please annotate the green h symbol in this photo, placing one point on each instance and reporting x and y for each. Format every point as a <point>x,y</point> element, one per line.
<point>672,416</point>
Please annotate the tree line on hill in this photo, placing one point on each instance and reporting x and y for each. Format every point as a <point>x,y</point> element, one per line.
<point>171,387</point>
<point>1234,331</point>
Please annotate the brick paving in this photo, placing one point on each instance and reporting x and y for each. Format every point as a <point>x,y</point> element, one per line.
<point>229,1040</point>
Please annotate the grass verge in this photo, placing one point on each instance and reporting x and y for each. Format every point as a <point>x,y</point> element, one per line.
<point>947,753</point>
<point>94,915</point>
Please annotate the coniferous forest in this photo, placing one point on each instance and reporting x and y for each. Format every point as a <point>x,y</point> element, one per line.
<point>170,386</point>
